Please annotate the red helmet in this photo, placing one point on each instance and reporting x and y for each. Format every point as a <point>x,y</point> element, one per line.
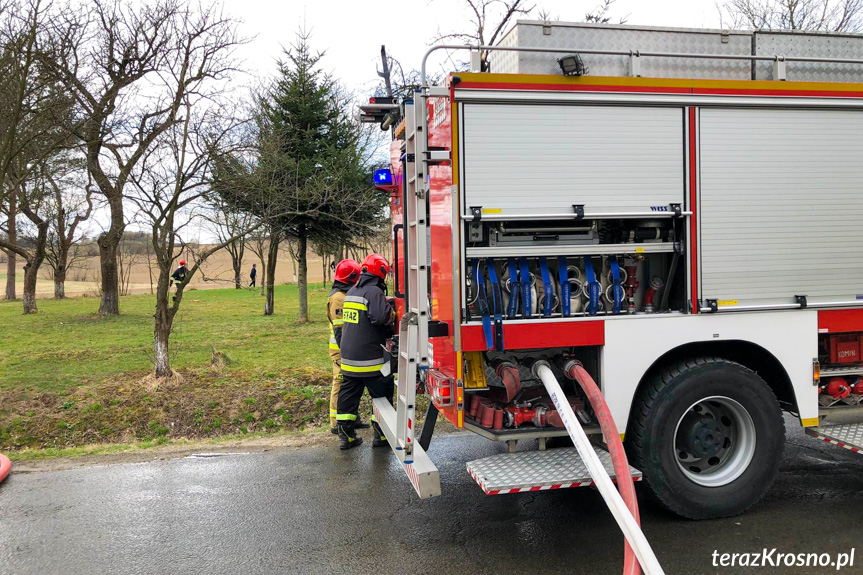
<point>376,265</point>
<point>182,262</point>
<point>348,271</point>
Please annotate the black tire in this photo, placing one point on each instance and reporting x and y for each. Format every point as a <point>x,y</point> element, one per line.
<point>653,431</point>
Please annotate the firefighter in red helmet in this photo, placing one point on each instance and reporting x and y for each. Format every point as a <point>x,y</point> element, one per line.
<point>346,275</point>
<point>368,320</point>
<point>179,276</point>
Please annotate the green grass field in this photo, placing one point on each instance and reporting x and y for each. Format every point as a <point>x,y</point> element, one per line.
<point>69,378</point>
<point>67,344</point>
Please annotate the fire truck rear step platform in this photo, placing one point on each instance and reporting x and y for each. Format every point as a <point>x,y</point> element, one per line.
<point>537,471</point>
<point>849,436</point>
<point>423,474</point>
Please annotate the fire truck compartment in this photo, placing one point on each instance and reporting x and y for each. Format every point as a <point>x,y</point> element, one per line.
<point>537,471</point>
<point>780,209</point>
<point>542,159</point>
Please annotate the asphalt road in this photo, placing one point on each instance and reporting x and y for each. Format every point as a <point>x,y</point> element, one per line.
<point>316,510</point>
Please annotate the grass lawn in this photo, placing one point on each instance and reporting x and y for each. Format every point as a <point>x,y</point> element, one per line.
<point>67,344</point>
<point>69,377</point>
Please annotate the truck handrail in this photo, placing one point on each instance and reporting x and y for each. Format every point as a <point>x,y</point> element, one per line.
<point>634,53</point>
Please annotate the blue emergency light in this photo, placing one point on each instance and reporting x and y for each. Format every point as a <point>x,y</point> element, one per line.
<point>383,177</point>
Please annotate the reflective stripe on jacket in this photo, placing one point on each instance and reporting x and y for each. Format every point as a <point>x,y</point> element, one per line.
<point>367,318</point>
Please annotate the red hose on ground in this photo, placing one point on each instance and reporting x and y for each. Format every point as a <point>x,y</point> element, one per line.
<point>626,487</point>
<point>5,467</point>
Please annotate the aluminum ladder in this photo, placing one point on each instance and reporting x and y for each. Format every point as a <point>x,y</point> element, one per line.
<point>399,423</point>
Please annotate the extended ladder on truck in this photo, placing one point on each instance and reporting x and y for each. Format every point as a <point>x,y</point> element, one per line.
<point>399,423</point>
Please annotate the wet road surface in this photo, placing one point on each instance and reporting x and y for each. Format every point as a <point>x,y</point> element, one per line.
<point>319,511</point>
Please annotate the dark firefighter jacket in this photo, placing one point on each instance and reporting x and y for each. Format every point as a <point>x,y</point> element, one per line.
<point>179,275</point>
<point>367,317</point>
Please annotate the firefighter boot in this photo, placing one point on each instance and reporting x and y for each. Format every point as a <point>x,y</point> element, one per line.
<point>360,424</point>
<point>380,439</point>
<point>348,436</point>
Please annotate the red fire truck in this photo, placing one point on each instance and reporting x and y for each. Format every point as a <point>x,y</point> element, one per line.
<point>676,210</point>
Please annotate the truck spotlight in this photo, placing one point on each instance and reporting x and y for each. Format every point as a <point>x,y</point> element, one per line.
<point>572,65</point>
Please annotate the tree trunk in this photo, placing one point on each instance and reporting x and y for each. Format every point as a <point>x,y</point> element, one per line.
<point>12,259</point>
<point>324,270</point>
<point>303,275</point>
<point>60,283</point>
<point>263,276</point>
<point>31,273</point>
<point>109,244</point>
<point>272,258</point>
<point>110,303</point>
<point>164,317</point>
<point>31,270</point>
<point>60,272</point>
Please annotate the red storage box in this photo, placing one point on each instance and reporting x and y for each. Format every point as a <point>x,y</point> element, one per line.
<point>843,348</point>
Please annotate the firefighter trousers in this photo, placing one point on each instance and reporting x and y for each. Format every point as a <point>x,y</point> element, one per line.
<point>334,393</point>
<point>352,391</point>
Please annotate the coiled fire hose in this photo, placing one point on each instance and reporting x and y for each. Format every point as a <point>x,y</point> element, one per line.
<point>625,519</point>
<point>574,370</point>
<point>5,467</point>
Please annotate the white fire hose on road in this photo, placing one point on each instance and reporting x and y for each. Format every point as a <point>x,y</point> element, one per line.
<point>634,536</point>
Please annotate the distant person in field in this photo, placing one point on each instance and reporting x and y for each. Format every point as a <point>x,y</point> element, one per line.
<point>253,275</point>
<point>179,275</point>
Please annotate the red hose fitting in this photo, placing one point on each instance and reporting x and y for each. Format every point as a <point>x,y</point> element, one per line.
<point>498,419</point>
<point>517,416</point>
<point>486,415</point>
<point>5,467</point>
<point>508,374</point>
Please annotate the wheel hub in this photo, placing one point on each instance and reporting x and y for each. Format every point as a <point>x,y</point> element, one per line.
<point>701,436</point>
<point>714,441</point>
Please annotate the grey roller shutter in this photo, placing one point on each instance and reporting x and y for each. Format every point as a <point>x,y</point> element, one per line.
<point>540,159</point>
<point>781,204</point>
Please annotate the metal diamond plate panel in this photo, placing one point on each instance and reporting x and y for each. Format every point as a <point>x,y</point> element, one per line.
<point>629,38</point>
<point>849,436</point>
<point>536,470</point>
<point>813,45</point>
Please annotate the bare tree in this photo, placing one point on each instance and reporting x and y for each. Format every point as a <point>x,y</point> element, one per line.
<point>601,14</point>
<point>10,209</point>
<point>28,183</point>
<point>227,223</point>
<point>488,22</point>
<point>172,188</point>
<point>69,209</point>
<point>130,68</point>
<point>25,96</point>
<point>258,245</point>
<point>813,15</point>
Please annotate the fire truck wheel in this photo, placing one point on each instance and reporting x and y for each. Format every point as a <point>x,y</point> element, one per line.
<point>708,435</point>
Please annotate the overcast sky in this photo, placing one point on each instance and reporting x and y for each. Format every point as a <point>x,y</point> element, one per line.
<point>352,31</point>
